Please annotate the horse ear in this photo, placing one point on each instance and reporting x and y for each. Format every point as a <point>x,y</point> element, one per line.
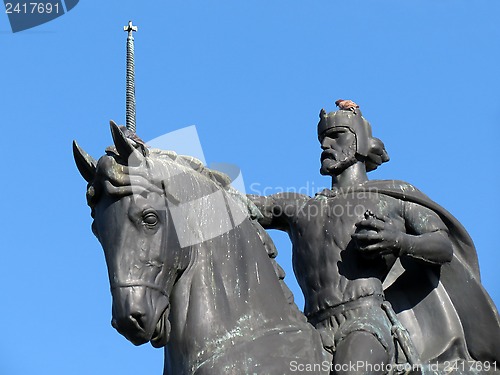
<point>85,163</point>
<point>123,146</point>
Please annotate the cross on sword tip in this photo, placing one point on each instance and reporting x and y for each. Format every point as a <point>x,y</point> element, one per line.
<point>130,27</point>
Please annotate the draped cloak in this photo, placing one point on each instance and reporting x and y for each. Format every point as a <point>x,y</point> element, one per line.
<point>446,310</point>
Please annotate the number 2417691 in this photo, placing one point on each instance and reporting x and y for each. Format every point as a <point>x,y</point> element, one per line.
<point>31,8</point>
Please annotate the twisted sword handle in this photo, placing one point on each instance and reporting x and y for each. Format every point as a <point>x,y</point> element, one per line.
<point>130,89</point>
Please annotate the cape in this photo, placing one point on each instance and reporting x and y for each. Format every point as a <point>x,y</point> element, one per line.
<point>446,310</point>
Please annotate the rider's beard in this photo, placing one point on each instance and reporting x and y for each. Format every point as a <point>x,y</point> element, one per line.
<point>330,167</point>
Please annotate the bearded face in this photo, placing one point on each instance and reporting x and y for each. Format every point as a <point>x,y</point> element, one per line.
<point>339,151</point>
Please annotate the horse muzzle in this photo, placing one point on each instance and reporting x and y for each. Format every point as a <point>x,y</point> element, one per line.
<point>140,314</point>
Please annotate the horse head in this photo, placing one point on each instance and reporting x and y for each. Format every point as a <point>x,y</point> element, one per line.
<point>131,221</point>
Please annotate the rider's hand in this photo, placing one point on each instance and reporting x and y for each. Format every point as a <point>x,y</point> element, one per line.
<point>379,236</point>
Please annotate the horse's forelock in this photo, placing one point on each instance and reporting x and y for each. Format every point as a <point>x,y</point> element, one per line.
<point>117,178</point>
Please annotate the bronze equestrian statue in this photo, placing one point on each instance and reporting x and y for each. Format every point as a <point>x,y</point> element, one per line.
<point>390,278</point>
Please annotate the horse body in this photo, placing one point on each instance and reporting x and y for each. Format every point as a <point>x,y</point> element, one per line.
<point>186,265</point>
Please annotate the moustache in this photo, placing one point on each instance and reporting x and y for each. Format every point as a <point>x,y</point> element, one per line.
<point>328,154</point>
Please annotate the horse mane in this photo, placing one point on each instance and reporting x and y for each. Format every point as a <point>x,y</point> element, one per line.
<point>219,178</point>
<point>114,162</point>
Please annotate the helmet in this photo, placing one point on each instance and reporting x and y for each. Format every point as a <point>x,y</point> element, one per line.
<point>369,147</point>
<point>352,120</point>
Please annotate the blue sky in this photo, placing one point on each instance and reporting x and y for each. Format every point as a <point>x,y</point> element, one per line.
<point>252,76</point>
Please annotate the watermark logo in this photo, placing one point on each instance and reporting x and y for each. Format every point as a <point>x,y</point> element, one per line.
<point>25,15</point>
<point>199,216</point>
<point>364,367</point>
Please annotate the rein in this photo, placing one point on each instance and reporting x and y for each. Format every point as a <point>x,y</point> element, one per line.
<point>132,283</point>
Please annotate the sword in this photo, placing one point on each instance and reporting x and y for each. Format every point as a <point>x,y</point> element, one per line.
<point>403,337</point>
<point>130,93</point>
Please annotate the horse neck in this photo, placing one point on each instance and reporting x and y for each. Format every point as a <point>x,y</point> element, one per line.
<point>228,294</point>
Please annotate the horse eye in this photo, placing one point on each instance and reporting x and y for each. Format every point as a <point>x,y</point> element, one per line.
<point>150,219</point>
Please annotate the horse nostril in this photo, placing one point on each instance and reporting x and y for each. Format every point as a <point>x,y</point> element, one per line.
<point>114,324</point>
<point>138,318</point>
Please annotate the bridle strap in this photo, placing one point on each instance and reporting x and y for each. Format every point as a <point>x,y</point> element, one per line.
<point>132,283</point>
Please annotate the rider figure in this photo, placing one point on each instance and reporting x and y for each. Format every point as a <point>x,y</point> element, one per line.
<point>346,239</point>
